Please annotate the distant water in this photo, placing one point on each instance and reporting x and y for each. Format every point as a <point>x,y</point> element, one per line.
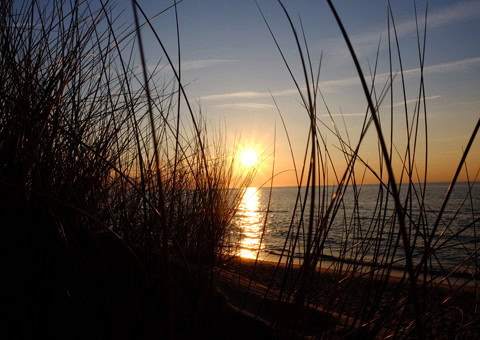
<point>361,232</point>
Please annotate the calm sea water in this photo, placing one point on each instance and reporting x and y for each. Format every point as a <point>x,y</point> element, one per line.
<point>362,227</point>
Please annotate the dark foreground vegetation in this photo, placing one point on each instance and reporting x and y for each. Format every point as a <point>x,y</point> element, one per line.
<point>117,209</point>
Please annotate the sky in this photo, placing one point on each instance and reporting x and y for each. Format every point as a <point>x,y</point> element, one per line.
<point>234,72</point>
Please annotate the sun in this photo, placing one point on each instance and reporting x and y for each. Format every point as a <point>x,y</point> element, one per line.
<point>248,157</point>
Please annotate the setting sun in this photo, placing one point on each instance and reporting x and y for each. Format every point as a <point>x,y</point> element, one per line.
<point>248,157</point>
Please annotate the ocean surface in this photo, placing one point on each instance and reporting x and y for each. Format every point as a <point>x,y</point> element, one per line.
<point>361,227</point>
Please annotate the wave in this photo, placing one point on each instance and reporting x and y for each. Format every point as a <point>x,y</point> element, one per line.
<point>435,273</point>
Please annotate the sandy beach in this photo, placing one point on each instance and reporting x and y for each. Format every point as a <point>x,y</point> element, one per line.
<point>336,303</point>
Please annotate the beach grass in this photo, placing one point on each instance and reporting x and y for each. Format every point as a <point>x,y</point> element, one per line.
<point>118,201</point>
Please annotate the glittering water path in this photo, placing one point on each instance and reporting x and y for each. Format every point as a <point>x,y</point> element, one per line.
<point>356,232</point>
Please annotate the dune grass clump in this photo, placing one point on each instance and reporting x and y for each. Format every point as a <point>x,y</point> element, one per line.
<point>105,190</point>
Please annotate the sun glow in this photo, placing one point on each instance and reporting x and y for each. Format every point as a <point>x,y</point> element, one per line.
<point>248,157</point>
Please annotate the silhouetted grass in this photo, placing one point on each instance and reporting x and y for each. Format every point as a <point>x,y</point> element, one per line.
<point>398,238</point>
<point>107,196</point>
<point>117,201</point>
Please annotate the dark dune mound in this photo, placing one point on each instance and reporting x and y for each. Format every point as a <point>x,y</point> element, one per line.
<point>76,284</point>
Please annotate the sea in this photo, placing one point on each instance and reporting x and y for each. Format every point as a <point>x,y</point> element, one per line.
<point>360,227</point>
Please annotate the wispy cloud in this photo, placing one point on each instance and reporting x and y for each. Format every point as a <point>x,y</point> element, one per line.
<point>329,85</point>
<point>248,94</point>
<point>365,43</point>
<point>459,11</point>
<point>453,66</point>
<point>415,100</point>
<point>354,114</point>
<point>255,106</point>
<point>457,65</point>
<point>398,104</point>
<point>196,64</point>
<point>191,64</point>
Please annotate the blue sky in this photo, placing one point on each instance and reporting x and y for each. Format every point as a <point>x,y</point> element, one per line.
<point>230,64</point>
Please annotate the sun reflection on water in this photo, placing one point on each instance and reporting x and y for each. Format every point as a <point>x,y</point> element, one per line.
<point>251,224</point>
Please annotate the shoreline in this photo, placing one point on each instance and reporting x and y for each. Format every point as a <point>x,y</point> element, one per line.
<point>364,273</point>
